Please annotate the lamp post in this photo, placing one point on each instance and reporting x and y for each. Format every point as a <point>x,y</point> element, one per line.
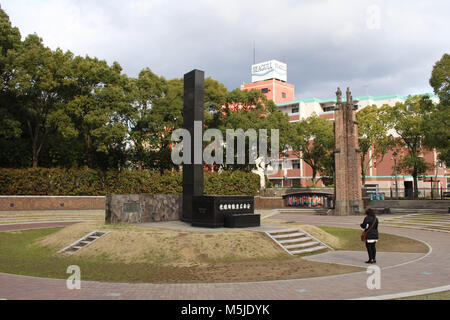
<point>395,172</point>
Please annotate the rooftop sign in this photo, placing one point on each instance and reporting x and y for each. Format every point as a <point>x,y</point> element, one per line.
<point>271,69</point>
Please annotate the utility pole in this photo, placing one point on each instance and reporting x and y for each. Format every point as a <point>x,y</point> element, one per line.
<point>254,52</point>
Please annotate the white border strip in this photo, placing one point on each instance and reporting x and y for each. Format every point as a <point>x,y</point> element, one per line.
<point>407,294</point>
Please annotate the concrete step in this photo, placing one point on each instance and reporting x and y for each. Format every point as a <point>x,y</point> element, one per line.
<point>301,245</point>
<point>294,241</point>
<point>308,250</point>
<point>83,242</point>
<point>289,235</point>
<point>282,231</point>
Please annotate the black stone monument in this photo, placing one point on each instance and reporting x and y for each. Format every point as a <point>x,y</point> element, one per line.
<point>201,210</point>
<point>192,111</point>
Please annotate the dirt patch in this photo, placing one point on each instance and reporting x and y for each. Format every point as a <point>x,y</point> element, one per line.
<point>189,253</point>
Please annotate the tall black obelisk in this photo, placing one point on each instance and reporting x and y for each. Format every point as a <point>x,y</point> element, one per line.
<point>194,89</point>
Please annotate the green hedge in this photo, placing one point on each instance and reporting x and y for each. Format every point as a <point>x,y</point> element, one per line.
<point>43,181</point>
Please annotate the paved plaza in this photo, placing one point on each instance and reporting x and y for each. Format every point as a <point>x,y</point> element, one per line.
<point>402,274</point>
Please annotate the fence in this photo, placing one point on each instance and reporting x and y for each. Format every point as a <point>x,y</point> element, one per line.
<point>402,193</point>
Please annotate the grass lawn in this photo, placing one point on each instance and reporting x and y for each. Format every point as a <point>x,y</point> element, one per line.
<point>23,252</point>
<point>350,240</point>
<point>130,253</point>
<point>445,295</point>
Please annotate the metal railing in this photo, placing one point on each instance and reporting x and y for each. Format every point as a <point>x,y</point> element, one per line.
<point>405,193</point>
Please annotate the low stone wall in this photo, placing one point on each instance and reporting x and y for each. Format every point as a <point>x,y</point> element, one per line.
<point>269,202</point>
<point>279,192</point>
<point>141,208</point>
<point>410,204</point>
<point>24,203</point>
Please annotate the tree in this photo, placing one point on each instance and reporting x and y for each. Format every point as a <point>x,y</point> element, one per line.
<point>440,79</point>
<point>250,110</point>
<point>374,140</point>
<point>314,141</point>
<point>98,109</point>
<point>144,129</point>
<point>409,120</point>
<point>9,40</point>
<point>38,80</point>
<point>438,121</point>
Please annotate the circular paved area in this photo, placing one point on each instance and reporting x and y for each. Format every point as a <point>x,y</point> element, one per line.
<point>399,273</point>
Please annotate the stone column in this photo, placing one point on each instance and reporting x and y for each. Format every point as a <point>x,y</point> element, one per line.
<point>348,197</point>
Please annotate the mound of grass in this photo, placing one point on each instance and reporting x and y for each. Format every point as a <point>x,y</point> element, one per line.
<point>142,244</point>
<point>350,240</point>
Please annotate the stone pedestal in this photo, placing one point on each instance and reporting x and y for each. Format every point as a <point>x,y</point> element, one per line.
<point>142,208</point>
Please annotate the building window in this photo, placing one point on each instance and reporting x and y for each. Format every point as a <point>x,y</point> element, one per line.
<point>295,110</point>
<point>283,95</point>
<point>265,90</point>
<point>296,164</point>
<point>328,109</point>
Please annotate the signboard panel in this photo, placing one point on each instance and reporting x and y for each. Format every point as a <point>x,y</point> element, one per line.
<point>272,69</point>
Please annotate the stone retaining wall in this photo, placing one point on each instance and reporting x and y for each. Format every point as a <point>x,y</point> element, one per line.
<point>142,208</point>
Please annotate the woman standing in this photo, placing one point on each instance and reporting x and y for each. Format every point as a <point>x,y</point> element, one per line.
<point>370,226</point>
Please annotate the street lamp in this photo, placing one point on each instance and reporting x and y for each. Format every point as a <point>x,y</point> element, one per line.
<point>395,172</point>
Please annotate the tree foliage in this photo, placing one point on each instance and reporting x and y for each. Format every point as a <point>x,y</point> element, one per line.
<point>313,139</point>
<point>409,119</point>
<point>374,138</point>
<point>438,121</point>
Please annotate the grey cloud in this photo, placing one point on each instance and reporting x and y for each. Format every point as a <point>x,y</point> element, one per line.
<point>325,43</point>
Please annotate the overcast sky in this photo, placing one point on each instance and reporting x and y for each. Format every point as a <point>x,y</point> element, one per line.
<point>375,47</point>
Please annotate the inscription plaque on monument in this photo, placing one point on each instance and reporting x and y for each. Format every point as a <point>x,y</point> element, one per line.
<point>131,212</point>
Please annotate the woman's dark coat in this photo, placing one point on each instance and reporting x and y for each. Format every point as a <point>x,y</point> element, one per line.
<point>373,233</point>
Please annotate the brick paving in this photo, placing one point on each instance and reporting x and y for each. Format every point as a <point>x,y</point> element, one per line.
<point>421,272</point>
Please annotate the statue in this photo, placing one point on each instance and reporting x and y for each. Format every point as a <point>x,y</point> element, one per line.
<point>339,95</point>
<point>349,99</point>
<point>260,170</point>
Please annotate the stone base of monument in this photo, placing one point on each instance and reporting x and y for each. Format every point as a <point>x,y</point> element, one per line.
<point>242,220</point>
<point>348,207</point>
<point>213,211</point>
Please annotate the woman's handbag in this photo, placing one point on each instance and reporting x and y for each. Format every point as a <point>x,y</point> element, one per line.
<point>365,232</point>
<point>363,236</point>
